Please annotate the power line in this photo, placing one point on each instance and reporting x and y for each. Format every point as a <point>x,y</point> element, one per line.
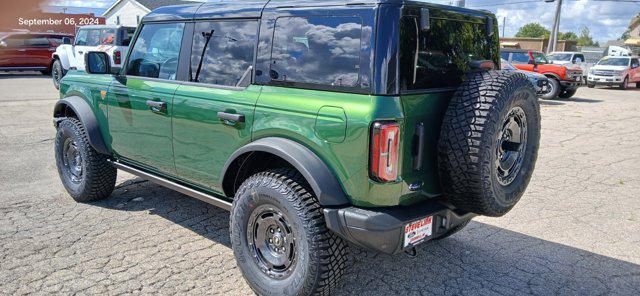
<point>542,2</point>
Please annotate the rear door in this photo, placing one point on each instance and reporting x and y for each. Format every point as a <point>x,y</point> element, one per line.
<point>635,70</point>
<point>37,52</point>
<point>85,39</point>
<point>141,100</point>
<point>213,110</point>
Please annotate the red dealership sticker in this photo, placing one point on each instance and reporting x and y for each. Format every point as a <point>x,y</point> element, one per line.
<point>417,231</point>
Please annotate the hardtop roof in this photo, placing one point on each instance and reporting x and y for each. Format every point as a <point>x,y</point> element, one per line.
<point>254,8</point>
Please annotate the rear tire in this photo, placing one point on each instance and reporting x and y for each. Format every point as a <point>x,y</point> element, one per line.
<point>591,85</point>
<point>278,235</point>
<point>568,93</point>
<point>554,90</point>
<point>489,142</point>
<point>84,172</point>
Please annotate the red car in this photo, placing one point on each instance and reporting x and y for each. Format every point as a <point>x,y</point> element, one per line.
<point>28,51</point>
<point>563,81</point>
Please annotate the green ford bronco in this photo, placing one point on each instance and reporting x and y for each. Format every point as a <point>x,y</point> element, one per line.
<point>379,123</point>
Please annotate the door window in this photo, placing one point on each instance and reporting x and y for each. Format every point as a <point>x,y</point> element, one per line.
<point>155,52</point>
<point>93,38</point>
<point>578,58</point>
<point>37,41</point>
<point>317,50</point>
<point>14,41</point>
<point>228,56</point>
<point>635,63</point>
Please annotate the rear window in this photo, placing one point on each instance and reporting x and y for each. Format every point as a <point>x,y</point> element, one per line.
<point>317,50</point>
<point>439,57</point>
<point>520,58</point>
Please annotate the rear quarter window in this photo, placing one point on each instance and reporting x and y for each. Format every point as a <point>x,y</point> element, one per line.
<point>520,58</point>
<point>317,50</point>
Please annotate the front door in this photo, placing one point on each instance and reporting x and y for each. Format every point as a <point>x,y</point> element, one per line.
<point>213,112</point>
<point>141,100</point>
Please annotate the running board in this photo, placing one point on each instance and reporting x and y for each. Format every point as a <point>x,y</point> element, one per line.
<point>216,201</point>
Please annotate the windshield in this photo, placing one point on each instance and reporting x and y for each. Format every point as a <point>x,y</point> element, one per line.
<point>506,65</point>
<point>560,57</point>
<point>614,62</point>
<point>540,58</point>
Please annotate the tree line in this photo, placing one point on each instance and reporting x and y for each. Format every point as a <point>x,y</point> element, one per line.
<point>535,30</point>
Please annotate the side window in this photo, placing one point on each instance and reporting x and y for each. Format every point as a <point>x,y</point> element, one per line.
<point>317,50</point>
<point>107,36</point>
<point>15,41</point>
<point>635,63</point>
<point>222,52</point>
<point>520,58</point>
<point>155,52</point>
<point>578,58</point>
<point>504,55</point>
<point>81,37</point>
<point>127,35</point>
<point>37,41</point>
<point>93,38</point>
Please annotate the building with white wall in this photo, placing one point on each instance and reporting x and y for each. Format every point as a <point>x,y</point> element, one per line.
<point>130,12</point>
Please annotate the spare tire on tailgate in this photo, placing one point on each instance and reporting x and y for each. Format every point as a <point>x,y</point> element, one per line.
<point>489,142</point>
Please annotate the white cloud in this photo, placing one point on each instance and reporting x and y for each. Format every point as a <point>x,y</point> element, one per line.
<point>82,3</point>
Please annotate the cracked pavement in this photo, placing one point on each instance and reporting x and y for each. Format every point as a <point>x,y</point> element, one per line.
<point>576,231</point>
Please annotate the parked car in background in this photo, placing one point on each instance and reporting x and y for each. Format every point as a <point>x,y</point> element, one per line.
<point>571,58</point>
<point>539,81</point>
<point>612,71</point>
<point>112,39</point>
<point>564,81</point>
<point>28,51</point>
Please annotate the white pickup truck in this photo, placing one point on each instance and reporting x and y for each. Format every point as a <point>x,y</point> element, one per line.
<point>112,39</point>
<point>568,58</point>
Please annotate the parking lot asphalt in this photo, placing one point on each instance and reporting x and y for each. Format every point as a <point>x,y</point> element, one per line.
<point>576,231</point>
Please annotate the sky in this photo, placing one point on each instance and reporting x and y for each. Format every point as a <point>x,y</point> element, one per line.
<point>606,19</point>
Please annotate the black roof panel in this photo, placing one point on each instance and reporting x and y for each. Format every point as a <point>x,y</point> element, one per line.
<point>253,8</point>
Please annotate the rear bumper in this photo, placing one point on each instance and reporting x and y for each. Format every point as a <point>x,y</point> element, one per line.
<point>382,229</point>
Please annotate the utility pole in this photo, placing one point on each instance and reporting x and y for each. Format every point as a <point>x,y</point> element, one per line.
<point>504,25</point>
<point>553,39</point>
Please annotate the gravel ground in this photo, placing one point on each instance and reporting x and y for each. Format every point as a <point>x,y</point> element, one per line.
<point>575,232</point>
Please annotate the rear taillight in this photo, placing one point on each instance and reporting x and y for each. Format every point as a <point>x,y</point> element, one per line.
<point>385,142</point>
<point>117,57</point>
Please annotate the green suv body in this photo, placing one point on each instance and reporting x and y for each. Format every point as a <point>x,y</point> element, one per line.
<point>344,102</point>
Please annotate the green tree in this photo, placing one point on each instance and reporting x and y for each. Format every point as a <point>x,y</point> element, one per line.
<point>533,30</point>
<point>585,38</point>
<point>567,36</point>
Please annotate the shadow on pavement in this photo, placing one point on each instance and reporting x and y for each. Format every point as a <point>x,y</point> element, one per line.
<point>480,260</point>
<point>582,100</point>
<point>550,103</point>
<point>9,75</point>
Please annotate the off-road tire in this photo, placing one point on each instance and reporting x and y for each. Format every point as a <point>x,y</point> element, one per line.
<point>556,89</point>
<point>321,256</point>
<point>97,178</point>
<point>637,84</point>
<point>565,94</point>
<point>57,72</point>
<point>625,84</point>
<point>454,230</point>
<point>471,137</point>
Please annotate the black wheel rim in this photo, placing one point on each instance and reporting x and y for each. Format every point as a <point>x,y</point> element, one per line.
<point>72,160</point>
<point>271,242</point>
<point>511,146</point>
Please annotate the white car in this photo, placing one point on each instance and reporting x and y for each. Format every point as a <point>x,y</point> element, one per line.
<point>569,58</point>
<point>618,71</point>
<point>112,39</point>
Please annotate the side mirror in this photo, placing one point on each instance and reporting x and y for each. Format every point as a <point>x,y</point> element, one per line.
<point>3,44</point>
<point>97,62</point>
<point>66,40</point>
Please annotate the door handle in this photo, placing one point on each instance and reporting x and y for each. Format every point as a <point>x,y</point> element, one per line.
<point>157,106</point>
<point>231,118</point>
<point>22,50</point>
<point>80,52</point>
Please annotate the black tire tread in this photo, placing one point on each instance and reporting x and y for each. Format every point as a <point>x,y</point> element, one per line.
<point>469,119</point>
<point>100,176</point>
<point>333,250</point>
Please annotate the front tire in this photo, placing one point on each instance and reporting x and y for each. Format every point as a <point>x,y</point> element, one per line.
<point>57,72</point>
<point>279,237</point>
<point>625,84</point>
<point>554,90</point>
<point>84,172</point>
<point>565,94</point>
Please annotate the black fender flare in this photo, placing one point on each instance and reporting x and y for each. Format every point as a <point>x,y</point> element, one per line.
<point>85,114</point>
<point>322,181</point>
<point>552,75</point>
